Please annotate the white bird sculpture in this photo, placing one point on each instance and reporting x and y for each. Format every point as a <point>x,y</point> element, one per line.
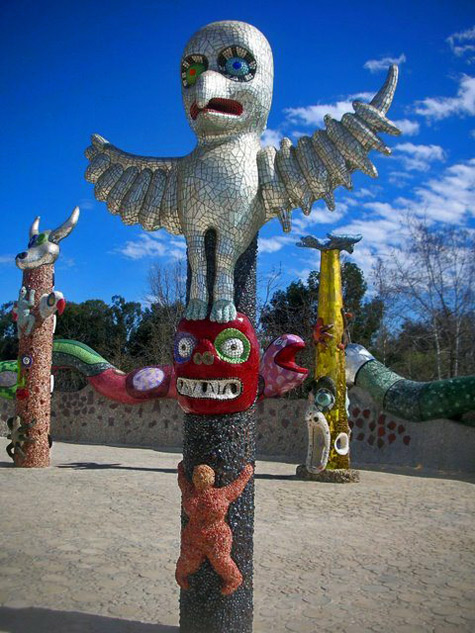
<point>229,183</point>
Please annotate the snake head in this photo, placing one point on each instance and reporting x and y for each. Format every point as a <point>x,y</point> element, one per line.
<point>278,369</point>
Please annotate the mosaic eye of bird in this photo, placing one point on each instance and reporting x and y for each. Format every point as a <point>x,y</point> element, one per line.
<point>191,68</point>
<point>237,63</point>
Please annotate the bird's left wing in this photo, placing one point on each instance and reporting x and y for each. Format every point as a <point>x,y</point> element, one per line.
<point>294,177</point>
<point>141,189</point>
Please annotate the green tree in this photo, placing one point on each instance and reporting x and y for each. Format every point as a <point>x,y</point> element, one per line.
<point>106,328</point>
<point>430,281</point>
<point>8,338</point>
<point>294,310</point>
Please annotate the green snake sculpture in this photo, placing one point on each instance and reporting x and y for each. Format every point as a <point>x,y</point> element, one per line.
<point>410,400</point>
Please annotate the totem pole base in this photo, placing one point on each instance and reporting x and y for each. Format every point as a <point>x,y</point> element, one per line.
<point>336,476</point>
<point>33,398</point>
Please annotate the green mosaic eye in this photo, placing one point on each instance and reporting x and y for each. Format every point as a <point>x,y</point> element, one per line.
<point>41,238</point>
<point>232,346</point>
<point>191,68</point>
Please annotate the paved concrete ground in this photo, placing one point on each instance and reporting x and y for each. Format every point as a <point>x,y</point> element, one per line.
<point>89,546</point>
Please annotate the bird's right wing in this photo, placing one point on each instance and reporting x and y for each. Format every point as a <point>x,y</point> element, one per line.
<point>141,189</point>
<point>293,177</point>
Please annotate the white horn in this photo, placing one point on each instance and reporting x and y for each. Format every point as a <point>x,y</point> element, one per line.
<point>65,229</point>
<point>35,227</point>
<point>383,99</point>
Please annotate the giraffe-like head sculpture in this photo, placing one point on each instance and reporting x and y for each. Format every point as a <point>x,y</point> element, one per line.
<point>227,74</point>
<point>43,248</point>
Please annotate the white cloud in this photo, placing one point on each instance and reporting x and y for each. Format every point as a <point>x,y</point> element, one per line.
<point>376,65</point>
<point>437,108</point>
<point>296,134</point>
<point>7,259</point>
<point>399,178</point>
<point>305,272</point>
<point>271,137</point>
<point>319,215</point>
<point>449,199</point>
<point>361,96</point>
<point>274,244</point>
<point>313,114</point>
<point>418,157</point>
<point>407,127</point>
<point>462,43</point>
<point>363,193</point>
<point>66,262</point>
<point>86,204</point>
<point>147,246</point>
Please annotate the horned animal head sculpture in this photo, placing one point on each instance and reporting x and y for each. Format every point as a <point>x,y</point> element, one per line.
<point>43,248</point>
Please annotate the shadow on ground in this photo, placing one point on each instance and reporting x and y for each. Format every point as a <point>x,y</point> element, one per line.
<point>34,620</point>
<point>97,466</point>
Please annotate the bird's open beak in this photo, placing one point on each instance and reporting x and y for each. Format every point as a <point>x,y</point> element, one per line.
<point>223,106</point>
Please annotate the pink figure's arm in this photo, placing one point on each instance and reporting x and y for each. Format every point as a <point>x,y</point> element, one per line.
<point>235,489</point>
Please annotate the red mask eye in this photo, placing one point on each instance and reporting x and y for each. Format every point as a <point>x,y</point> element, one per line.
<point>184,347</point>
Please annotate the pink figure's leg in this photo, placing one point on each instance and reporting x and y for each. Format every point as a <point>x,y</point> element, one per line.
<point>226,568</point>
<point>189,562</point>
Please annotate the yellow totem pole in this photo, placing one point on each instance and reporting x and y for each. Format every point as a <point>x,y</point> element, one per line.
<point>328,456</point>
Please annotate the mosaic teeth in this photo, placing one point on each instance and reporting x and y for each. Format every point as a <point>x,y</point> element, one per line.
<point>219,389</point>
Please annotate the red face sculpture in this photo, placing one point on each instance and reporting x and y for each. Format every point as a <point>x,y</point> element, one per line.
<point>216,366</point>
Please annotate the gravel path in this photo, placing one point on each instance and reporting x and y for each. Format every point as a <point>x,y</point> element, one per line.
<point>89,546</point>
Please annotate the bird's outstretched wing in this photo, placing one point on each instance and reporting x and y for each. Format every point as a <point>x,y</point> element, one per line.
<point>141,189</point>
<point>294,177</point>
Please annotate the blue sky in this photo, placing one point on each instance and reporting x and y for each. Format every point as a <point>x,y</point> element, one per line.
<point>70,69</point>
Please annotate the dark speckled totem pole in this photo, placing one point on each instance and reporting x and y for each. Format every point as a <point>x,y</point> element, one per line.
<point>220,434</point>
<point>218,197</point>
<point>35,314</point>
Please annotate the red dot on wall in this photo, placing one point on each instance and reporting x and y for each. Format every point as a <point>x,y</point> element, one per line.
<point>382,419</point>
<point>406,439</point>
<point>366,413</point>
<point>371,439</point>
<point>360,437</point>
<point>381,431</point>
<point>351,424</point>
<point>372,425</point>
<point>359,423</point>
<point>392,425</point>
<point>391,438</point>
<point>355,412</point>
<point>400,429</point>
